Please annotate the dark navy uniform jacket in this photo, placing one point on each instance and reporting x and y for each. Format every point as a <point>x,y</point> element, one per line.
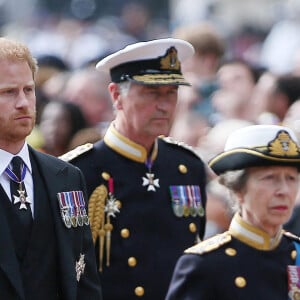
<point>147,237</point>
<point>225,267</point>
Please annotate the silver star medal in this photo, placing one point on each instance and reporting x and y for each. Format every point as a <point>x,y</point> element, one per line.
<point>22,199</point>
<point>79,267</point>
<point>150,182</point>
<point>111,206</point>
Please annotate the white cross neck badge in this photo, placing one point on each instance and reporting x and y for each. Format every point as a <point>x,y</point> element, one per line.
<point>22,199</point>
<point>151,182</point>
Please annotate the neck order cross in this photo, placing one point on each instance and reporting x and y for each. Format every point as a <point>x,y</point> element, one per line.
<point>17,175</point>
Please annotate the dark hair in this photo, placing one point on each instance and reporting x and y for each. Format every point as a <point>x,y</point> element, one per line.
<point>289,85</point>
<point>52,61</point>
<point>77,118</point>
<point>255,70</point>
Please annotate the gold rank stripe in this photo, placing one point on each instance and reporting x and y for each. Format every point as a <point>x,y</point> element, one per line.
<point>154,78</point>
<point>76,152</point>
<point>210,244</point>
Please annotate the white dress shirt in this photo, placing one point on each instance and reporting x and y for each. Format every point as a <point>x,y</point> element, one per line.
<point>5,159</point>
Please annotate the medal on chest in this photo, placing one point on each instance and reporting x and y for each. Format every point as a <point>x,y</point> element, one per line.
<point>103,205</point>
<point>293,282</point>
<point>149,179</point>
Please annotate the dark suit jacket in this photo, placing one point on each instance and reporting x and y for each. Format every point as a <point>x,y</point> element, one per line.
<point>71,242</point>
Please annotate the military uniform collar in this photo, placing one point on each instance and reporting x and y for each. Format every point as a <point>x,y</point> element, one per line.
<point>253,236</point>
<point>126,147</point>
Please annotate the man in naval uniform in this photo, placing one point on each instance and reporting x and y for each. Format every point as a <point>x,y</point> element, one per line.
<point>47,252</point>
<point>146,192</point>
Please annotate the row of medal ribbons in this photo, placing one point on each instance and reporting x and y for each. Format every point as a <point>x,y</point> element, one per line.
<point>186,200</point>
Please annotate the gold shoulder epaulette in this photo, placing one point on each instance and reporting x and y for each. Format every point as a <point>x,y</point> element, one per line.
<point>76,152</point>
<point>291,236</point>
<point>210,244</point>
<point>170,140</point>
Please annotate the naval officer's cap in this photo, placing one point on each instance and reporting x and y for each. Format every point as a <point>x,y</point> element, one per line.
<point>156,62</point>
<point>258,146</point>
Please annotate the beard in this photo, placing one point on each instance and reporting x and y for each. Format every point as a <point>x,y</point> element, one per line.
<point>16,131</point>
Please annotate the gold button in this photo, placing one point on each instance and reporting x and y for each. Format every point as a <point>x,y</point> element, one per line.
<point>294,254</point>
<point>230,252</point>
<point>240,282</point>
<point>193,227</point>
<point>105,175</point>
<point>182,169</point>
<point>132,262</point>
<point>125,233</point>
<point>139,291</point>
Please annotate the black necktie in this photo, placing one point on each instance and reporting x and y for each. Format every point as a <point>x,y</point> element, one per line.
<point>21,206</point>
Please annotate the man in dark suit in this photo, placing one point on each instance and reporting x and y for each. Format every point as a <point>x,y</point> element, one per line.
<point>46,245</point>
<point>146,193</point>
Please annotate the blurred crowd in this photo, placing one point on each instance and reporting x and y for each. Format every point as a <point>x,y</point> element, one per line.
<point>249,76</point>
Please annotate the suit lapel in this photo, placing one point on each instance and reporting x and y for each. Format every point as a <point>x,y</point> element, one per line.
<point>8,260</point>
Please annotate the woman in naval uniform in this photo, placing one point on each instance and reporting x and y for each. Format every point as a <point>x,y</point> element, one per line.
<point>255,258</point>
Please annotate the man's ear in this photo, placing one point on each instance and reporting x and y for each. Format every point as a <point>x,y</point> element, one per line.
<point>114,91</point>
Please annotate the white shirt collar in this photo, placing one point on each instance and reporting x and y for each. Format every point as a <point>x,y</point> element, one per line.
<point>6,157</point>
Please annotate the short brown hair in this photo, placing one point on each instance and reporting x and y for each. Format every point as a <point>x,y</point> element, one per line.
<point>10,49</point>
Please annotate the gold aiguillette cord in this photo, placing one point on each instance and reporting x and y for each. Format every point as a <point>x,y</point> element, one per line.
<point>97,218</point>
<point>102,206</point>
<point>108,229</point>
